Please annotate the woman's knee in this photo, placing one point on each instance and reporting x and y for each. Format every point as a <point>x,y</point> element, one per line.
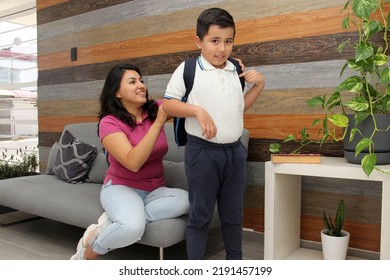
<point>131,231</point>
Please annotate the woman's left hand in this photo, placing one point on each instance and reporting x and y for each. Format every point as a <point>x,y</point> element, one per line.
<point>161,116</point>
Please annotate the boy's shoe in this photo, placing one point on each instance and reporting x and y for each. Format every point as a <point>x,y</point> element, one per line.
<point>80,253</point>
<point>92,232</point>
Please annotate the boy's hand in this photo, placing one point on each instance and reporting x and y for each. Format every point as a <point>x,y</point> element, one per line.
<point>240,63</point>
<point>209,129</point>
<point>253,77</point>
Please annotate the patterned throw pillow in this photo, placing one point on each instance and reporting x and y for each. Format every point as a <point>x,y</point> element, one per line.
<point>74,159</point>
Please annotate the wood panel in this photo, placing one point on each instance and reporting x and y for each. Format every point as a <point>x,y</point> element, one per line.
<point>305,24</point>
<point>181,16</point>
<point>281,125</point>
<point>362,208</point>
<point>84,107</point>
<point>55,10</point>
<point>47,139</point>
<point>57,123</point>
<point>363,236</point>
<point>259,149</point>
<point>259,126</point>
<point>42,4</point>
<point>148,25</point>
<point>254,219</point>
<point>309,49</point>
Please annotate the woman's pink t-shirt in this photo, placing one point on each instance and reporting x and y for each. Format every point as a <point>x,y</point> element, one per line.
<point>151,174</point>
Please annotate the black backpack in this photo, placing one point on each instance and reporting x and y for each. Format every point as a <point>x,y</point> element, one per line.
<point>188,77</point>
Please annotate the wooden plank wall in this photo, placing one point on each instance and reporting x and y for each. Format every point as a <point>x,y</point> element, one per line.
<point>293,42</point>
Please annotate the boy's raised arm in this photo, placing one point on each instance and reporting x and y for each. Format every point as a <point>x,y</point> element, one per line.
<point>174,107</point>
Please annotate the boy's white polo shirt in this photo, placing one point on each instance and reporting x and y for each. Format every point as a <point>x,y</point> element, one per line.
<point>219,92</point>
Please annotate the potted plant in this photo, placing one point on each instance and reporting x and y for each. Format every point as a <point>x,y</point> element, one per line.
<point>334,239</point>
<point>23,163</point>
<point>363,97</point>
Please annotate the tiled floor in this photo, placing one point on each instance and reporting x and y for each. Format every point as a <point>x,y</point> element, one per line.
<point>44,239</point>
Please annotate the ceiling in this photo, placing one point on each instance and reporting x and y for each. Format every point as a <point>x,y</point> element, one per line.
<point>18,43</point>
<point>18,11</point>
<point>17,20</point>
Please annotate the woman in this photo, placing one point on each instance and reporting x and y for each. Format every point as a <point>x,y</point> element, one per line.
<point>131,128</point>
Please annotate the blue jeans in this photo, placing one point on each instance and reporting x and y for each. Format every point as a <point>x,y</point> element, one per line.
<point>130,210</point>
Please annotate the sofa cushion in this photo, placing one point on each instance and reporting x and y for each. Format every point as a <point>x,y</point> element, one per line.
<point>74,159</point>
<point>98,169</point>
<point>52,158</point>
<point>175,175</point>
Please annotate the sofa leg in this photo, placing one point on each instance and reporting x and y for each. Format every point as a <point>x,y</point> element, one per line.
<point>161,253</point>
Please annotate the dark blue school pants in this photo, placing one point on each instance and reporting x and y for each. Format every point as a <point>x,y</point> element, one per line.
<point>216,174</point>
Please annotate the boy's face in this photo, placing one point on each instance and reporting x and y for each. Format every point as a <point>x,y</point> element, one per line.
<point>217,45</point>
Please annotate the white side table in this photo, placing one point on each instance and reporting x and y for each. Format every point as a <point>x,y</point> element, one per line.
<point>283,202</point>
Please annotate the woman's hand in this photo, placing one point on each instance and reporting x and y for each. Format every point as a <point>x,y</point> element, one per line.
<point>161,116</point>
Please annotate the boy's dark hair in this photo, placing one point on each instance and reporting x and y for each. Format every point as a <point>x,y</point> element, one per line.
<point>213,16</point>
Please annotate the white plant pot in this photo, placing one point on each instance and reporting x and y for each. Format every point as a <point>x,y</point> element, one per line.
<point>334,247</point>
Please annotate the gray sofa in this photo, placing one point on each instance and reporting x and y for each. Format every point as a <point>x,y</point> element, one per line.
<point>48,196</point>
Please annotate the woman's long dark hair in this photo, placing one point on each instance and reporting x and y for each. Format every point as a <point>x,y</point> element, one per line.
<point>111,105</point>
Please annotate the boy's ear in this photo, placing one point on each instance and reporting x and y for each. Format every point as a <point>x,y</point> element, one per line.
<point>198,42</point>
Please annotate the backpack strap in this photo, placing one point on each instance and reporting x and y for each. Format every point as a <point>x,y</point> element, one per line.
<point>239,71</point>
<point>189,76</point>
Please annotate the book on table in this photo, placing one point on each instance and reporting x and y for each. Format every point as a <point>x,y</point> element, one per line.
<point>296,158</point>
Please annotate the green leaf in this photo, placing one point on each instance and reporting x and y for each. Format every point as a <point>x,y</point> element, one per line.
<point>358,104</point>
<point>372,27</point>
<point>360,117</point>
<point>274,148</point>
<point>343,69</point>
<point>368,163</point>
<point>380,59</point>
<point>315,122</point>
<point>339,120</point>
<point>388,15</point>
<point>353,65</point>
<point>363,144</point>
<point>385,76</point>
<point>352,84</point>
<point>339,220</point>
<point>334,98</point>
<point>315,101</point>
<point>326,222</point>
<point>363,52</point>
<point>304,133</point>
<point>364,8</point>
<point>352,134</point>
<point>289,138</point>
<point>345,25</point>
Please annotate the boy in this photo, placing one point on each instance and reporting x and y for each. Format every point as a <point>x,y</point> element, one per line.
<point>215,159</point>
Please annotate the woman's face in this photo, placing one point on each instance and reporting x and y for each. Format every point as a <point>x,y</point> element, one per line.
<point>132,89</point>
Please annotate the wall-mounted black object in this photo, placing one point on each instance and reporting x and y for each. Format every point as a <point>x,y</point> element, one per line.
<point>73,54</point>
